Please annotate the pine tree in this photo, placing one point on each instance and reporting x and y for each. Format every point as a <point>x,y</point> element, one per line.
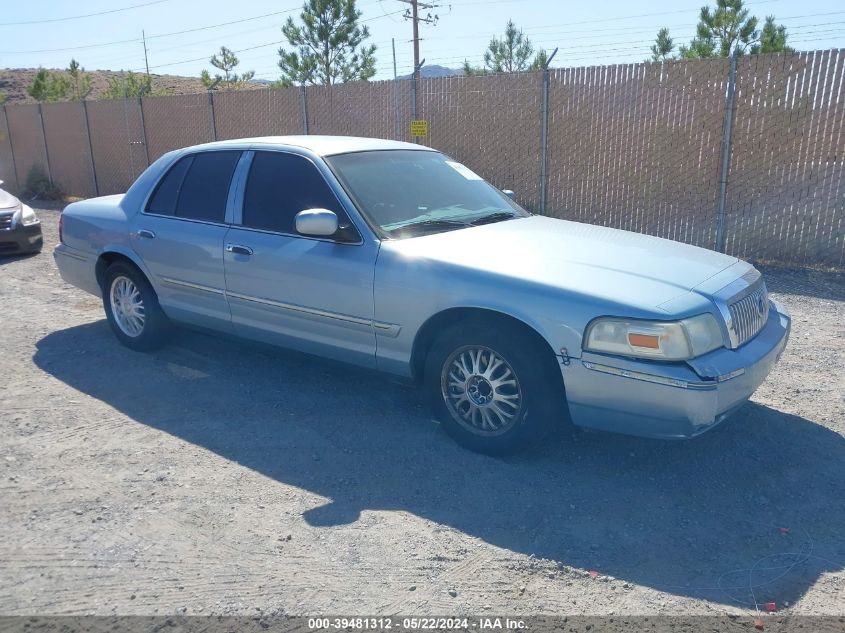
<point>226,61</point>
<point>508,54</point>
<point>663,46</point>
<point>80,81</point>
<point>329,45</point>
<point>772,38</point>
<point>48,86</point>
<point>124,86</point>
<point>729,29</point>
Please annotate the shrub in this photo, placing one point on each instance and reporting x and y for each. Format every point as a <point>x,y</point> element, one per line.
<point>38,185</point>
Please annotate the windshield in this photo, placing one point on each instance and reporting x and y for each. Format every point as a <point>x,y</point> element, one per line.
<point>412,192</point>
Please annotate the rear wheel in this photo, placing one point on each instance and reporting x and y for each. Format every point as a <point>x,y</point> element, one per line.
<point>132,308</point>
<point>492,390</point>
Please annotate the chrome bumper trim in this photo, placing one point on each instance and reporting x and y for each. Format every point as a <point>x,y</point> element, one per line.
<point>662,380</point>
<point>638,375</point>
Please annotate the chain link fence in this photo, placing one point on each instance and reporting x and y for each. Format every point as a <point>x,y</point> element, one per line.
<point>117,141</point>
<point>490,124</point>
<point>745,156</point>
<point>787,185</point>
<point>64,127</point>
<point>638,146</point>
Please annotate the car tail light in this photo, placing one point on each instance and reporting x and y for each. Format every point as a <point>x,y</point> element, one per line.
<point>61,221</point>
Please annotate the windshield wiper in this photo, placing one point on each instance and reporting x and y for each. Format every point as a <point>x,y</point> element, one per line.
<point>429,224</point>
<point>494,217</point>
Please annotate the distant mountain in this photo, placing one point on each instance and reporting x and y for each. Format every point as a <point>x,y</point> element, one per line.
<point>435,71</point>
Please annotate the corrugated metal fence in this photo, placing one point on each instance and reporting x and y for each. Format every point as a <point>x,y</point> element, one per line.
<point>636,146</point>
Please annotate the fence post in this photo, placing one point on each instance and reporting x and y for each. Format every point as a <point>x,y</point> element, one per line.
<point>90,148</point>
<point>144,130</point>
<point>544,132</point>
<point>46,150</point>
<point>304,108</point>
<point>212,115</point>
<point>726,156</point>
<point>413,97</point>
<point>12,150</point>
<point>395,93</point>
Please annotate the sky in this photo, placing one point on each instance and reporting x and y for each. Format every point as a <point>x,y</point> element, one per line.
<point>183,34</point>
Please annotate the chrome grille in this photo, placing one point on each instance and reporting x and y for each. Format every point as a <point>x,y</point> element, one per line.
<point>6,220</point>
<point>749,312</point>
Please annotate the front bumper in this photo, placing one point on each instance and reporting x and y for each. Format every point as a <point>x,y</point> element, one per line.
<point>21,239</point>
<point>677,400</point>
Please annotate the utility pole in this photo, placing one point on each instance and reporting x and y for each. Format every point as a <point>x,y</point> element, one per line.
<point>146,61</point>
<point>412,13</point>
<point>416,19</point>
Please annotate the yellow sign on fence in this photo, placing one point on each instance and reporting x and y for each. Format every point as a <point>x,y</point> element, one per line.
<point>419,128</point>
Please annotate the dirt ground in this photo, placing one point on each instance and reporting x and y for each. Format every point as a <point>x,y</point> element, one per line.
<point>218,477</point>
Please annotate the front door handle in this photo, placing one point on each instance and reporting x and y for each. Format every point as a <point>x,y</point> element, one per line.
<point>145,233</point>
<point>238,249</point>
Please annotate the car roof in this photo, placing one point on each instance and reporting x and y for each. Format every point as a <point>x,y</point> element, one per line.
<point>320,145</point>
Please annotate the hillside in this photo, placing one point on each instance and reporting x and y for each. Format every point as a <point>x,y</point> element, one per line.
<point>14,81</point>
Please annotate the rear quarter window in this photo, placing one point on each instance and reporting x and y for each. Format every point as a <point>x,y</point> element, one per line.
<point>163,200</point>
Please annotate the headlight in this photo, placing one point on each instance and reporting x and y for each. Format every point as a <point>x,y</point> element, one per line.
<point>28,216</point>
<point>662,340</point>
<point>24,216</point>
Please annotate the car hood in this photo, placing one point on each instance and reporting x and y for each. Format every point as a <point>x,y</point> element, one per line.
<point>600,262</point>
<point>7,200</point>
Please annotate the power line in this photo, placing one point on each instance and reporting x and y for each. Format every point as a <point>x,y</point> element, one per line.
<point>70,48</point>
<point>251,48</point>
<point>574,54</point>
<point>161,35</point>
<point>603,45</point>
<point>205,57</point>
<point>793,31</point>
<point>530,29</point>
<point>79,17</point>
<point>150,37</point>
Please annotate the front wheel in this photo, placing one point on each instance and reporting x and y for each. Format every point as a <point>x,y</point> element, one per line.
<point>493,391</point>
<point>132,308</point>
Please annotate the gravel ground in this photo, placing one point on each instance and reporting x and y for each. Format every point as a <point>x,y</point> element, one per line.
<point>218,477</point>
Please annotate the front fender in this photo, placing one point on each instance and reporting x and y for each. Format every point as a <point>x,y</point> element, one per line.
<point>410,292</point>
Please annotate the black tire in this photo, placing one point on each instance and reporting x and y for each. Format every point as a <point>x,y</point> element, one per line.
<point>537,375</point>
<point>156,327</point>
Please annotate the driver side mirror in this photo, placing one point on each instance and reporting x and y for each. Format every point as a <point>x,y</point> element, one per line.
<point>509,193</point>
<point>316,222</point>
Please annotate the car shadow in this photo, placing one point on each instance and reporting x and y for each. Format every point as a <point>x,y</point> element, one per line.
<point>8,259</point>
<point>807,282</point>
<point>750,511</point>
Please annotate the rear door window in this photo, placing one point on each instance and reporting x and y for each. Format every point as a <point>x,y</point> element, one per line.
<point>163,201</point>
<point>205,189</point>
<point>279,186</point>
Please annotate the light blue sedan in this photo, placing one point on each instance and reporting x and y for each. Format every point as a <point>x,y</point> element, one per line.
<point>395,257</point>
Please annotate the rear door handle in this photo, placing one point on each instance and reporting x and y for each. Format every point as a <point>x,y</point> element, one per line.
<point>238,249</point>
<point>145,233</point>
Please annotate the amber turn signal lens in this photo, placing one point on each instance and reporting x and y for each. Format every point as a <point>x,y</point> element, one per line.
<point>644,340</point>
